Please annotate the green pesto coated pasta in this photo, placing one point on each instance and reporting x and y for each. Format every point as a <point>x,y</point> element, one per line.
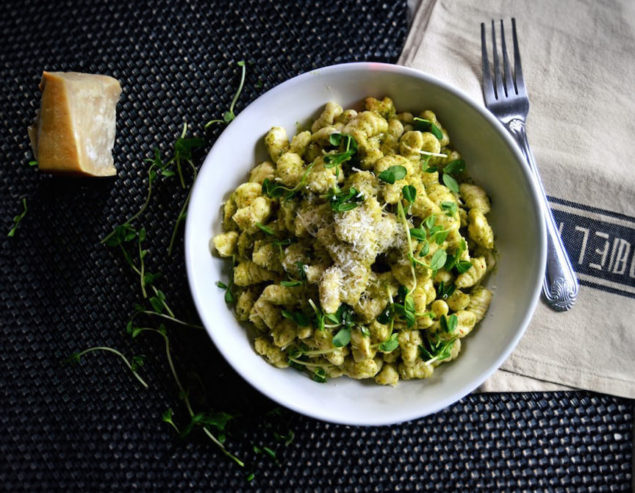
<point>353,252</point>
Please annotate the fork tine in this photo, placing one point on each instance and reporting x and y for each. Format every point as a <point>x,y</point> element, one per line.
<point>488,86</point>
<point>518,69</point>
<point>498,81</point>
<point>507,74</point>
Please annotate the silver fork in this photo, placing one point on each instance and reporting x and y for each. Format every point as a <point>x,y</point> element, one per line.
<point>507,99</point>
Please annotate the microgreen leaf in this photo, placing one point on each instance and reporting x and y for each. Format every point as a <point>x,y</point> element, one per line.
<point>418,233</point>
<point>335,139</point>
<point>184,146</point>
<point>285,242</point>
<point>272,189</point>
<point>286,438</point>
<point>463,266</point>
<point>387,314</point>
<point>427,126</point>
<point>298,317</point>
<point>167,416</point>
<point>451,183</point>
<point>454,167</point>
<point>444,291</point>
<point>342,201</point>
<point>404,306</point>
<point>440,236</point>
<point>346,315</point>
<point>17,219</point>
<point>409,193</point>
<point>425,249</point>
<point>266,229</point>
<point>265,451</point>
<point>301,270</point>
<point>319,315</point>
<point>436,350</point>
<point>449,324</point>
<point>405,313</point>
<point>332,160</point>
<point>158,301</point>
<point>229,115</point>
<point>390,344</point>
<point>319,375</point>
<point>290,284</point>
<point>350,149</point>
<point>409,303</point>
<point>392,174</point>
<point>449,207</point>
<point>137,362</point>
<point>438,260</point>
<point>229,296</point>
<point>342,338</point>
<point>275,190</point>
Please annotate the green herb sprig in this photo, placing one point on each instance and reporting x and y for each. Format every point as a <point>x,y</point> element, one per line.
<point>182,154</point>
<point>401,307</point>
<point>344,317</point>
<point>390,344</point>
<point>454,260</point>
<point>229,115</point>
<point>449,324</point>
<point>409,193</point>
<point>196,418</point>
<point>133,364</point>
<point>336,159</point>
<point>17,219</point>
<point>229,296</point>
<point>275,190</point>
<point>450,208</point>
<point>444,291</point>
<point>424,125</point>
<point>427,230</point>
<point>392,174</point>
<point>130,239</point>
<point>298,317</point>
<point>342,201</point>
<point>436,350</point>
<point>452,168</point>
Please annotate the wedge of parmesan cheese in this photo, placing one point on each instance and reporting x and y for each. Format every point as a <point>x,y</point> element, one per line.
<point>74,130</point>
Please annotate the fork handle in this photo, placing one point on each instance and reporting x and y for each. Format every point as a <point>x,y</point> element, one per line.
<point>560,285</point>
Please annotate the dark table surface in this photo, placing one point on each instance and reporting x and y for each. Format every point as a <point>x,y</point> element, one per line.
<point>92,426</point>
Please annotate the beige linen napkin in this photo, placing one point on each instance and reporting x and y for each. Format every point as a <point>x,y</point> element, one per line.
<point>579,64</point>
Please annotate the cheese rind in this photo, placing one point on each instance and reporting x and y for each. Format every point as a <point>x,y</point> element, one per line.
<point>74,131</point>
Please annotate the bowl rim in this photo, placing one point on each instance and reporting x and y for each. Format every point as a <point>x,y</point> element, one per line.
<point>536,207</point>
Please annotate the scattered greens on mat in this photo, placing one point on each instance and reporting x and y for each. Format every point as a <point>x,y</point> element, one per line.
<point>129,238</point>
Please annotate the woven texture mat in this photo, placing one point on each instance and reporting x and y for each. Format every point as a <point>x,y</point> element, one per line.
<point>92,426</point>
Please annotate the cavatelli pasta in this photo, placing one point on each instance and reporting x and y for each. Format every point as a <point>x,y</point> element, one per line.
<point>351,254</point>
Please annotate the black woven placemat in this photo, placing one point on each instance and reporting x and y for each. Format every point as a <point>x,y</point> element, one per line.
<point>93,426</point>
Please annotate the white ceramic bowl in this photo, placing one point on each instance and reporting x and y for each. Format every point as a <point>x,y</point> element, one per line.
<point>493,161</point>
